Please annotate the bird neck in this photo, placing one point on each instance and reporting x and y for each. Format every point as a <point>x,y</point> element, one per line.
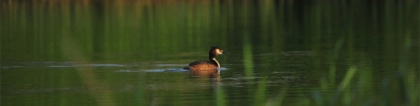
<point>214,61</point>
<point>212,58</point>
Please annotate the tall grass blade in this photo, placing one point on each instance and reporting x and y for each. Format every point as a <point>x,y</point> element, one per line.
<point>347,79</point>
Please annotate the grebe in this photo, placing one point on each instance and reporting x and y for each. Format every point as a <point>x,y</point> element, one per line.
<point>207,65</point>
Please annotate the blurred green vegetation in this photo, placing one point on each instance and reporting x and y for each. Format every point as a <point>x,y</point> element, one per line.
<point>349,52</point>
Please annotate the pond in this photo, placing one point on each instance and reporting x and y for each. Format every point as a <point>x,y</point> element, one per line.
<point>281,52</point>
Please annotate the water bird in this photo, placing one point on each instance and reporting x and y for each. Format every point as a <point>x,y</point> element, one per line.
<point>207,66</point>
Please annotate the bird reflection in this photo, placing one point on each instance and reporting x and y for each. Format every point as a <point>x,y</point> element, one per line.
<point>213,74</point>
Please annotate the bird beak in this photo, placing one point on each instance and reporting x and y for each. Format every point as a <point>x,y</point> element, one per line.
<point>226,53</point>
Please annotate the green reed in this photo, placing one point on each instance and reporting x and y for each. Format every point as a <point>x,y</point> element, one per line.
<point>358,87</point>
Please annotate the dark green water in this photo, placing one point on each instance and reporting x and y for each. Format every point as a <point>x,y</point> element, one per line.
<point>282,52</point>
